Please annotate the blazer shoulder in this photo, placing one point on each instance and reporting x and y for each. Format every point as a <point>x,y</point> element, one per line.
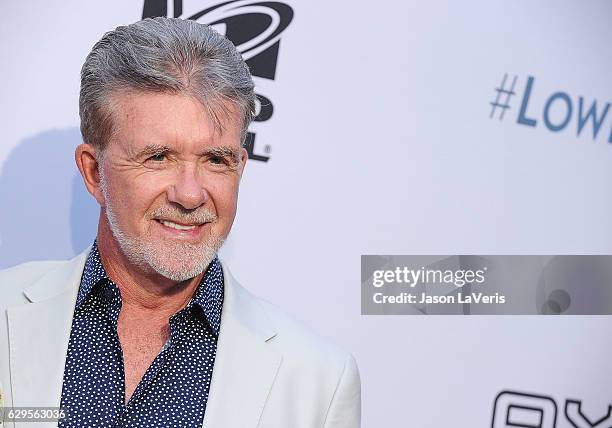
<point>297,340</point>
<point>16,279</point>
<point>312,363</point>
<point>291,337</point>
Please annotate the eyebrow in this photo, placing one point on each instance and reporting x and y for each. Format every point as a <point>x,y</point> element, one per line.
<point>225,152</point>
<point>153,149</point>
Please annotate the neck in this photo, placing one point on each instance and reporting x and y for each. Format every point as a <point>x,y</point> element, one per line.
<point>141,288</point>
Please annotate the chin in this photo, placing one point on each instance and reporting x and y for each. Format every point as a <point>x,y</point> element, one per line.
<point>178,261</point>
<point>174,255</point>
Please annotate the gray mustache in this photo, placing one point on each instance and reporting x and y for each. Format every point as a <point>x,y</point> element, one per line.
<point>203,215</point>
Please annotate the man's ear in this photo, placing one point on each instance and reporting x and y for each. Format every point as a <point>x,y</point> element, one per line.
<point>244,156</point>
<point>86,159</point>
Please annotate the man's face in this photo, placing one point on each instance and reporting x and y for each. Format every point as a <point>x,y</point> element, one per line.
<point>169,180</point>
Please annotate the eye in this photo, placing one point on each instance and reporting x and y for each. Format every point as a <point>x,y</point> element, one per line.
<point>159,157</point>
<point>216,160</point>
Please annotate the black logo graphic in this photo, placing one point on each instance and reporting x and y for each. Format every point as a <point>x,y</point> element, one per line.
<point>254,27</point>
<point>518,409</point>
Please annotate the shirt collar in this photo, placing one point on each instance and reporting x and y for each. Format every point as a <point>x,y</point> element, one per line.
<point>92,274</point>
<point>208,296</point>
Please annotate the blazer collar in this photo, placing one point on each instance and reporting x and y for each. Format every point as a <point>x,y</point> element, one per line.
<point>58,280</point>
<point>243,374</point>
<point>39,333</point>
<point>246,363</point>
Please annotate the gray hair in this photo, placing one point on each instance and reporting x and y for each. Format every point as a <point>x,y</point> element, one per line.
<point>163,55</point>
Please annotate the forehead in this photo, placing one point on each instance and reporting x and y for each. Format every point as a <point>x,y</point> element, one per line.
<point>177,120</point>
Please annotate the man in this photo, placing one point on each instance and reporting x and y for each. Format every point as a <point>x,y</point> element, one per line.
<point>147,328</point>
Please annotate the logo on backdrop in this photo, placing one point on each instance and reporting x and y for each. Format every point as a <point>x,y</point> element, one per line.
<point>519,409</point>
<point>255,27</point>
<point>561,111</point>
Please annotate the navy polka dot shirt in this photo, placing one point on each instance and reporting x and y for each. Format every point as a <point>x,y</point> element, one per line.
<point>174,390</point>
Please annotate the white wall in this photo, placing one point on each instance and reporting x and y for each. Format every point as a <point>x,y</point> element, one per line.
<point>381,143</point>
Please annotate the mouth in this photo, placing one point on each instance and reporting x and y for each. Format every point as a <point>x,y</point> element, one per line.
<point>178,226</point>
<point>179,229</point>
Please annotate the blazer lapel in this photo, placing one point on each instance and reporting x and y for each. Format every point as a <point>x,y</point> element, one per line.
<point>39,332</point>
<point>245,365</point>
<point>243,374</point>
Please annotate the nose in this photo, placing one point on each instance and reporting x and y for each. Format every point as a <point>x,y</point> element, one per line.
<point>187,189</point>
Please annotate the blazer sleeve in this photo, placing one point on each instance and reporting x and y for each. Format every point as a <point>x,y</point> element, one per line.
<point>345,408</point>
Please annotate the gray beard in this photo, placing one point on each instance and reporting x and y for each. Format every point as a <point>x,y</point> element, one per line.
<point>175,260</point>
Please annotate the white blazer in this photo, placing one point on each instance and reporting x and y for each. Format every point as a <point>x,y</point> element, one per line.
<point>269,371</point>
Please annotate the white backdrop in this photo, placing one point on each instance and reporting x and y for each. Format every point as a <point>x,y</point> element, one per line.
<point>381,142</point>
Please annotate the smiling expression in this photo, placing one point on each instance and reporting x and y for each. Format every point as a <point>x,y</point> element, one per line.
<point>169,179</point>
